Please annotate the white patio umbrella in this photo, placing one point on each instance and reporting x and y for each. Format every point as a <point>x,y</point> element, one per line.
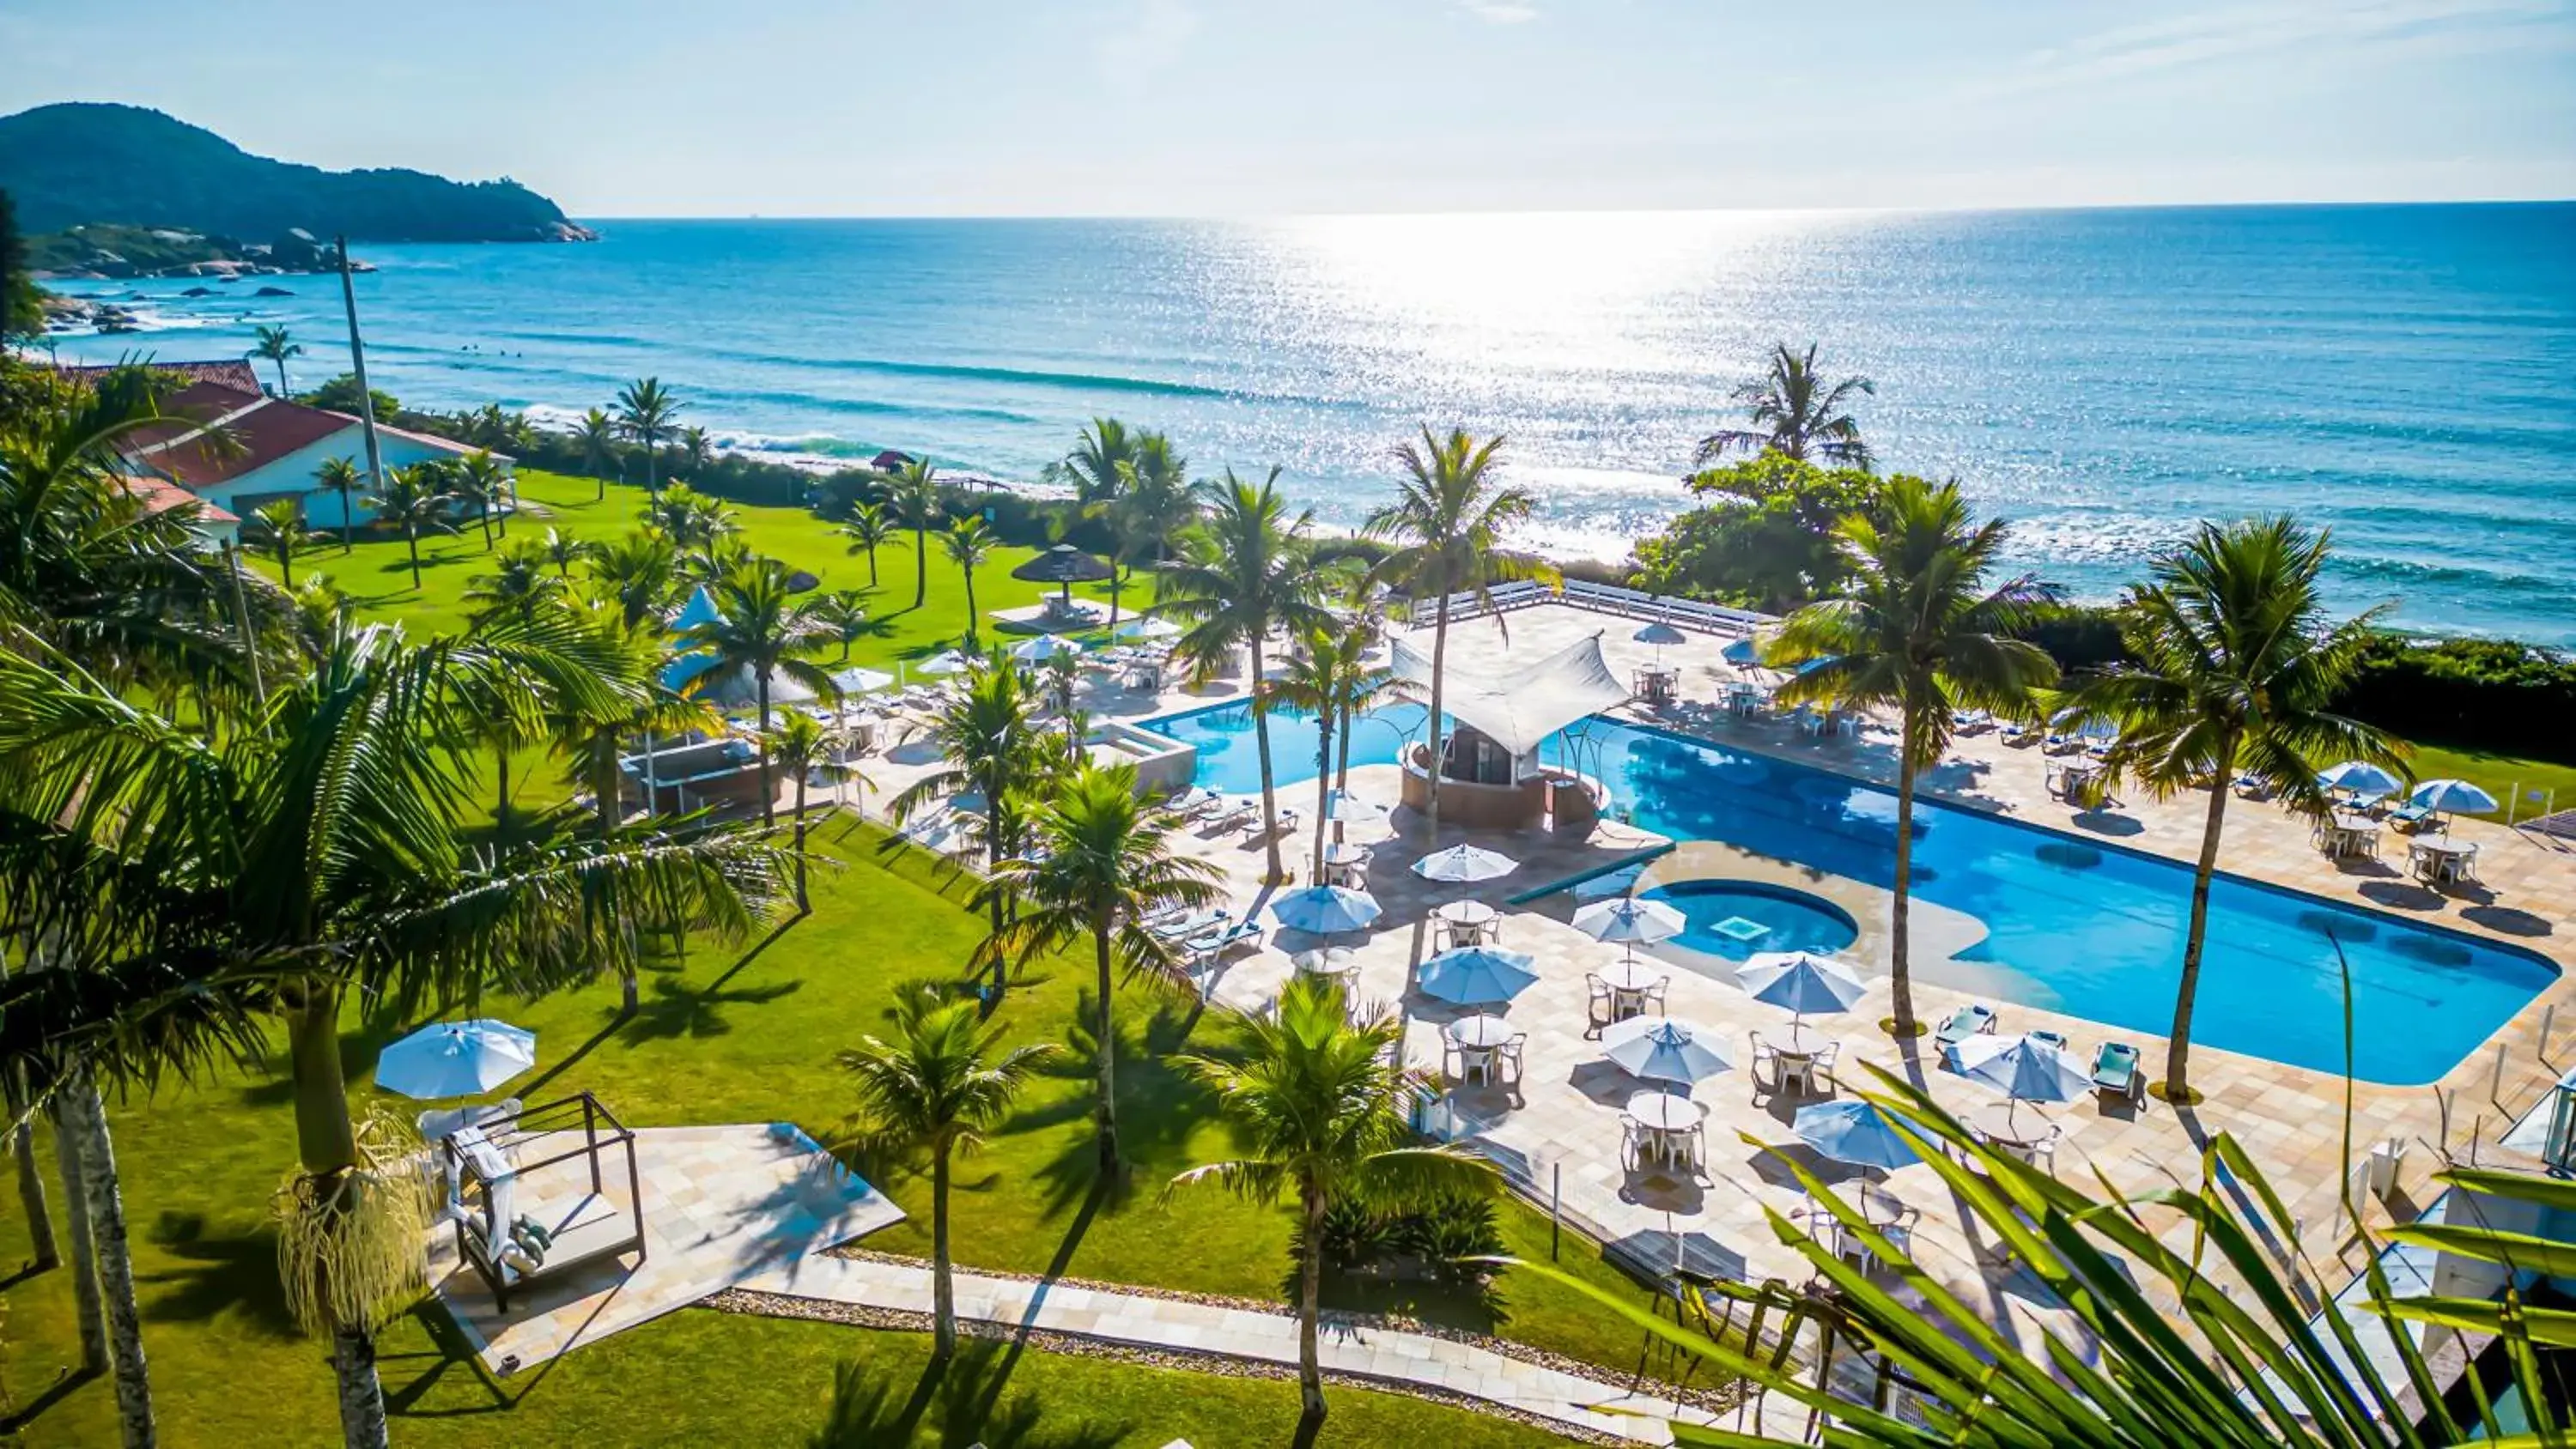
<point>1043,648</point>
<point>456,1059</point>
<point>1325,909</point>
<point>858,680</point>
<point>1350,809</point>
<point>2023,1068</point>
<point>1146,630</point>
<point>946,661</point>
<point>1464,864</point>
<point>1629,921</point>
<point>1800,982</point>
<point>2451,797</point>
<point>1476,975</point>
<point>1660,1049</point>
<point>1853,1132</point>
<point>1660,634</point>
<point>2362,778</point>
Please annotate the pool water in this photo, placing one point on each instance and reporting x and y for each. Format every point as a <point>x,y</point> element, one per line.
<point>2089,928</point>
<point>1737,919</point>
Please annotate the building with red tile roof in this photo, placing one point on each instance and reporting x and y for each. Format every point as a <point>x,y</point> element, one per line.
<point>232,372</point>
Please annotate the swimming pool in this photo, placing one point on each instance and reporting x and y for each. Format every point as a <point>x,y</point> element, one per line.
<point>2077,925</point>
<point>1735,919</point>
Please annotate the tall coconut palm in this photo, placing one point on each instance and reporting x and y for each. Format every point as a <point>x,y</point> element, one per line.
<point>870,528</point>
<point>282,534</point>
<point>1332,679</point>
<point>846,611</point>
<point>648,416</point>
<point>276,345</point>
<point>517,586</point>
<point>1154,503</point>
<point>762,626</point>
<point>968,542</point>
<point>1920,631</point>
<point>1093,468</point>
<point>596,436</point>
<point>990,745</point>
<point>914,496</point>
<point>563,550</point>
<point>416,500</point>
<point>640,571</point>
<point>482,482</point>
<point>938,1088</point>
<point>1106,864</point>
<point>805,747</point>
<point>322,834</point>
<point>1321,1111</point>
<point>1242,576</point>
<point>1448,520</point>
<point>2234,666</point>
<point>697,449</point>
<point>1793,411</point>
<point>341,476</point>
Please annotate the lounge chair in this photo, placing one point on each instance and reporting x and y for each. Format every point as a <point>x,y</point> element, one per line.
<point>1967,1021</point>
<point>1231,813</point>
<point>2061,744</point>
<point>2252,787</point>
<point>2056,1039</point>
<point>1191,924</point>
<point>1208,948</point>
<point>1971,721</point>
<point>2019,732</point>
<point>2116,1074</point>
<point>2409,819</point>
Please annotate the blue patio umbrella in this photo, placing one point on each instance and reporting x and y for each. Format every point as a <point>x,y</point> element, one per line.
<point>1800,981</point>
<point>1853,1132</point>
<point>1660,634</point>
<point>1464,864</point>
<point>2362,778</point>
<point>1045,647</point>
<point>2023,1068</point>
<point>1476,975</point>
<point>1743,652</point>
<point>1324,910</point>
<point>456,1059</point>
<point>1660,1049</point>
<point>2452,797</point>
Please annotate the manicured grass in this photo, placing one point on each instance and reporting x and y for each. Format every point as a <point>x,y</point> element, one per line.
<point>2500,776</point>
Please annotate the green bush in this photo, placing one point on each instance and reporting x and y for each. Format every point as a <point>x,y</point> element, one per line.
<point>2078,636</point>
<point>2480,694</point>
<point>1427,1240</point>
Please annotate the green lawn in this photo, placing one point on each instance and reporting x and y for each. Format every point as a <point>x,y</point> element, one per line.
<point>2500,776</point>
<point>747,1034</point>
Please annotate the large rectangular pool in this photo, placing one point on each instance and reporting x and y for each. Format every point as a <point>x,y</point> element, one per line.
<point>2076,925</point>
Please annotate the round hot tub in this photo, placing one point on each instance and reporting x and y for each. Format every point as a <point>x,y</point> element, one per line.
<point>1736,919</point>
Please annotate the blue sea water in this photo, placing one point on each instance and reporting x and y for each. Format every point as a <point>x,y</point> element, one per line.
<point>2405,374</point>
<point>2074,925</point>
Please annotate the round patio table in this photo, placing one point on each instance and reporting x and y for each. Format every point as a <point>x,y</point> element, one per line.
<point>1630,975</point>
<point>1998,1123</point>
<point>1326,961</point>
<point>1878,1207</point>
<point>1465,913</point>
<point>1481,1031</point>
<point>1344,852</point>
<point>1798,1041</point>
<point>1664,1111</point>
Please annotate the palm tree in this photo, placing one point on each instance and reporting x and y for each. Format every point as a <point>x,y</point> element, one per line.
<point>1154,502</point>
<point>1094,468</point>
<point>563,550</point>
<point>596,436</point>
<point>517,586</point>
<point>1241,577</point>
<point>341,476</point>
<point>321,841</point>
<point>968,542</point>
<point>1920,632</point>
<point>1448,519</point>
<point>1321,1109</point>
<point>1792,411</point>
<point>484,483</point>
<point>939,1087</point>
<point>1107,864</point>
<point>761,626</point>
<point>846,611</point>
<point>805,747</point>
<point>647,416</point>
<point>416,500</point>
<point>915,497</point>
<point>1333,679</point>
<point>870,528</point>
<point>2234,667</point>
<point>697,450</point>
<point>641,571</point>
<point>989,745</point>
<point>275,345</point>
<point>283,534</point>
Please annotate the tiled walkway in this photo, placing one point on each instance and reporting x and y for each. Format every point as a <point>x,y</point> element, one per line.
<point>1385,1355</point>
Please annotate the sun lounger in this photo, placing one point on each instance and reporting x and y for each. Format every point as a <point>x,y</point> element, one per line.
<point>1230,813</point>
<point>1189,924</point>
<point>1194,802</point>
<point>1203,949</point>
<point>2251,787</point>
<point>2053,1038</point>
<point>2059,744</point>
<point>1258,829</point>
<point>1964,1023</point>
<point>2019,732</point>
<point>1971,721</point>
<point>2116,1073</point>
<point>2409,818</point>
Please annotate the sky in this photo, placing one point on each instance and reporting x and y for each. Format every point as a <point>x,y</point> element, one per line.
<point>1218,108</point>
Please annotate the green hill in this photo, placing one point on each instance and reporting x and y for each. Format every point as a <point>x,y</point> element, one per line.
<point>84,162</point>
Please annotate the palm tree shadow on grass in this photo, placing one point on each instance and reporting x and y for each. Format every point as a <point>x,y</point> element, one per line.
<point>1158,1108</point>
<point>953,1407</point>
<point>217,1271</point>
<point>675,1009</point>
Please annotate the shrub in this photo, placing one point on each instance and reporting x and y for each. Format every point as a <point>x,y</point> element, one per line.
<point>2483,694</point>
<point>2078,636</point>
<point>1427,1240</point>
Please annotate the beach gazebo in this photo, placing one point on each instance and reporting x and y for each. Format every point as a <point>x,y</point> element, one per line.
<point>1064,565</point>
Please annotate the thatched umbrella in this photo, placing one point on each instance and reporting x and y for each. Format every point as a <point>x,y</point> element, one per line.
<point>1065,565</point>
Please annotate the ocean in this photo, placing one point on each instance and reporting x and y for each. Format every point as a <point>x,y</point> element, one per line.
<point>2405,375</point>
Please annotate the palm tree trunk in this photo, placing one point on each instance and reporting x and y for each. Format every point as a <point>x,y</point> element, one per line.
<point>411,536</point>
<point>501,804</point>
<point>872,567</point>
<point>1261,738</point>
<point>803,903</point>
<point>1900,982</point>
<point>1323,784</point>
<point>969,571</point>
<point>362,1395</point>
<point>286,562</point>
<point>85,1116</point>
<point>483,515</point>
<point>2178,1050</point>
<point>1439,667</point>
<point>768,790</point>
<point>920,565</point>
<point>95,1357</point>
<point>326,1145</point>
<point>943,1288</point>
<point>1108,1054</point>
<point>348,520</point>
<point>1310,1272</point>
<point>48,1254</point>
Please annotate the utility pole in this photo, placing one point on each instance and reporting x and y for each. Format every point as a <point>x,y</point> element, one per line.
<point>366,396</point>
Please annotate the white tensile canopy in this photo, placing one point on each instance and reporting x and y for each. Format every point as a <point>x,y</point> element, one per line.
<point>1520,705</point>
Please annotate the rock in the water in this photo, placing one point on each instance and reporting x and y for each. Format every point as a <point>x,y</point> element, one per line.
<point>198,292</point>
<point>272,292</point>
